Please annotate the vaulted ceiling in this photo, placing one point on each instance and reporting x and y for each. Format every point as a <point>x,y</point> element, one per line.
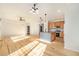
<point>15,10</point>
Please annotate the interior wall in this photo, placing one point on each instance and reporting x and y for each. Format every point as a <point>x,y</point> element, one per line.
<point>0,29</point>
<point>71,27</point>
<point>10,13</point>
<point>34,26</point>
<point>12,28</point>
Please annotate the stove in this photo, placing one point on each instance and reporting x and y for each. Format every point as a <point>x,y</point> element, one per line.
<point>58,33</point>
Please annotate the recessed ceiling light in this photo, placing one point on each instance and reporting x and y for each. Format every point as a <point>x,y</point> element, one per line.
<point>59,11</point>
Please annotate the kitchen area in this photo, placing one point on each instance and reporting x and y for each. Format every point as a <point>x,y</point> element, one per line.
<point>55,31</point>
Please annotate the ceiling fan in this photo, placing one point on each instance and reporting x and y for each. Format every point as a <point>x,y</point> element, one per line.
<point>34,8</point>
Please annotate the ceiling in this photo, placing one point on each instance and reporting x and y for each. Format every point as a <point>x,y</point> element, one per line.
<point>53,10</point>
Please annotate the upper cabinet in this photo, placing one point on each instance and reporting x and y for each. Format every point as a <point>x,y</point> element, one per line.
<point>59,24</point>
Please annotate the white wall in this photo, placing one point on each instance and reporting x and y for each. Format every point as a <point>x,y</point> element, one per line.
<point>72,27</point>
<point>11,25</point>
<point>11,28</point>
<point>0,29</point>
<point>34,26</point>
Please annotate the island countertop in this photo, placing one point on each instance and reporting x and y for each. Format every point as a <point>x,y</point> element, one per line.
<point>49,36</point>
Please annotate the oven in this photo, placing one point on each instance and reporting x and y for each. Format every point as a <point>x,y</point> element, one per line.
<point>57,33</point>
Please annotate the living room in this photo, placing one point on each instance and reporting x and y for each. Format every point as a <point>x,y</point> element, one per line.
<point>20,26</point>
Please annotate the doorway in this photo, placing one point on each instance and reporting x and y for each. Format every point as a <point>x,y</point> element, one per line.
<point>28,30</point>
<point>41,28</point>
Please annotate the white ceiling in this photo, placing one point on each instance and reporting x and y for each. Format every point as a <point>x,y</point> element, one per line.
<point>23,9</point>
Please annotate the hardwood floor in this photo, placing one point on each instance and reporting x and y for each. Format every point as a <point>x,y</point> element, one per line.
<point>55,48</point>
<point>7,46</point>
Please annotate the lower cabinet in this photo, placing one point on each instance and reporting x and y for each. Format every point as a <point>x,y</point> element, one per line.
<point>53,36</point>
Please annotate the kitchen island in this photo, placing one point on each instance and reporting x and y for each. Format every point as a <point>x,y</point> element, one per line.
<point>48,36</point>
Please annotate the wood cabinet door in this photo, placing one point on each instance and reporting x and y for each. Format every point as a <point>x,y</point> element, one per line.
<point>54,24</point>
<point>53,36</point>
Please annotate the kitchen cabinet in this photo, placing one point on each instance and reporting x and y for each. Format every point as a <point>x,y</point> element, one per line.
<point>55,24</point>
<point>53,36</point>
<point>53,27</point>
<point>62,36</point>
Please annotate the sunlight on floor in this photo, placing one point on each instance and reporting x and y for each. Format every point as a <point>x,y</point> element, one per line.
<point>39,50</point>
<point>43,40</point>
<point>18,38</point>
<point>53,42</point>
<point>24,50</point>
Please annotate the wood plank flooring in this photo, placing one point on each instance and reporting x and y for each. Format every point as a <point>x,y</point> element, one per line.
<point>55,48</point>
<point>7,46</point>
